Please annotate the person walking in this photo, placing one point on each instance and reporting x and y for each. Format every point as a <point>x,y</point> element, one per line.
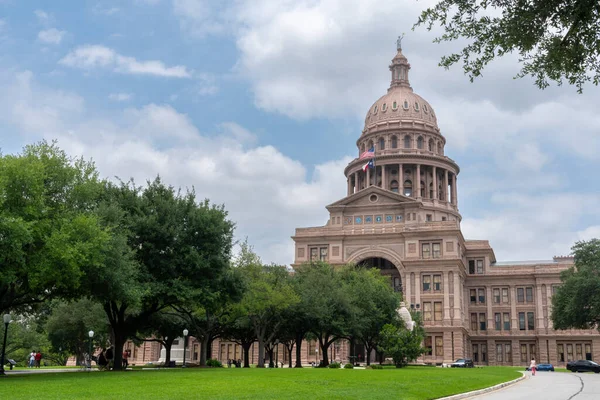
<point>532,366</point>
<point>32,359</point>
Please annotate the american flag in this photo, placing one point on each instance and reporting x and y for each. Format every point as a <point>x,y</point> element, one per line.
<point>368,154</point>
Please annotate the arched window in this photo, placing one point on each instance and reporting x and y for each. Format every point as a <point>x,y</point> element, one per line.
<point>370,144</point>
<point>422,189</point>
<point>440,192</point>
<point>381,144</point>
<point>408,188</point>
<point>431,146</point>
<point>431,190</point>
<point>407,142</point>
<point>405,105</point>
<point>394,142</point>
<point>440,148</point>
<point>394,186</point>
<point>420,142</point>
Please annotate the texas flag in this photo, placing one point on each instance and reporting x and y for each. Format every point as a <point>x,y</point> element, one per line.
<point>368,165</point>
<point>368,154</point>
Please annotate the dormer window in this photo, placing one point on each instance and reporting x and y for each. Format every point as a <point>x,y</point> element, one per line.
<point>394,106</point>
<point>384,107</point>
<point>416,106</point>
<point>405,105</point>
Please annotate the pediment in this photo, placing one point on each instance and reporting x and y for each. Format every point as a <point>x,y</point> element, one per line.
<point>364,198</point>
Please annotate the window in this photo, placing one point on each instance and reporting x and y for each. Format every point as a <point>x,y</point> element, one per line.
<point>477,296</point>
<point>405,105</point>
<point>578,352</point>
<point>420,142</point>
<point>437,283</point>
<point>520,295</point>
<point>523,353</point>
<point>530,321</point>
<point>471,266</point>
<point>475,266</point>
<point>499,353</point>
<point>428,348</point>
<point>529,295</point>
<point>532,352</point>
<point>323,254</point>
<point>408,188</point>
<point>314,253</point>
<point>416,106</point>
<point>475,352</point>
<point>498,321</point>
<point>428,218</point>
<point>554,289</point>
<point>437,250</point>
<point>407,142</point>
<point>521,321</point>
<point>312,345</point>
<point>394,105</point>
<point>560,349</point>
<point>506,318</point>
<point>394,186</point>
<point>437,311</point>
<point>394,140</point>
<point>505,295</point>
<point>473,296</point>
<point>484,353</point>
<point>431,250</point>
<point>439,345</point>
<point>482,322</point>
<point>426,283</point>
<point>474,322</point>
<point>426,250</point>
<point>481,293</point>
<point>569,352</point>
<point>588,351</point>
<point>480,266</point>
<point>375,109</point>
<point>431,146</point>
<point>427,311</point>
<point>382,144</point>
<point>496,296</point>
<point>384,107</point>
<point>507,352</point>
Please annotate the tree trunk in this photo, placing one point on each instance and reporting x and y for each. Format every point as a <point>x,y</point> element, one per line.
<point>261,353</point>
<point>246,347</point>
<point>203,351</point>
<point>119,342</point>
<point>167,345</point>
<point>209,349</point>
<point>299,337</point>
<point>271,364</point>
<point>368,354</point>
<point>325,352</point>
<point>290,355</point>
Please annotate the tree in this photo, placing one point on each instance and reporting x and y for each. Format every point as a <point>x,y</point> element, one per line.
<point>164,327</point>
<point>401,344</point>
<point>555,39</point>
<point>576,303</point>
<point>48,231</point>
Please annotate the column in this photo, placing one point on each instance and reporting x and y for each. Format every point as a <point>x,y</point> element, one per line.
<point>446,185</point>
<point>457,290</point>
<point>446,289</point>
<point>418,288</point>
<point>406,286</point>
<point>488,302</point>
<point>383,180</point>
<point>368,173</point>
<point>435,188</point>
<point>538,309</point>
<point>549,306</point>
<point>356,187</point>
<point>514,323</point>
<point>418,183</point>
<point>400,179</point>
<point>349,185</point>
<point>454,192</point>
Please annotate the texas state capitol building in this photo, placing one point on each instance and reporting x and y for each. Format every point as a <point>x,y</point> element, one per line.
<point>402,217</point>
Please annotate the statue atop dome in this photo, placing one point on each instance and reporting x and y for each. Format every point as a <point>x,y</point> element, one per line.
<point>399,42</point>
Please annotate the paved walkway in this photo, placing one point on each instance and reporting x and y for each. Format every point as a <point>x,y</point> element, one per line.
<point>550,386</point>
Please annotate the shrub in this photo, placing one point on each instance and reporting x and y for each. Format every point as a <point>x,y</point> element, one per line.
<point>335,365</point>
<point>349,366</point>
<point>214,363</point>
<point>375,366</point>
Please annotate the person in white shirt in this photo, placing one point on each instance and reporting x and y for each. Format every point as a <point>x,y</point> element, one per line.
<point>532,367</point>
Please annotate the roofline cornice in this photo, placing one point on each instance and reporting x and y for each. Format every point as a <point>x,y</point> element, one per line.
<point>412,158</point>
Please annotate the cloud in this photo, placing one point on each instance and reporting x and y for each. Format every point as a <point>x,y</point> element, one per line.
<point>98,9</point>
<point>95,56</point>
<point>198,17</point>
<point>42,16</point>
<point>120,96</point>
<point>51,36</point>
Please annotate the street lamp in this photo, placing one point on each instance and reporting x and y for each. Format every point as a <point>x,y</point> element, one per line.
<point>91,335</point>
<point>6,322</point>
<point>185,333</point>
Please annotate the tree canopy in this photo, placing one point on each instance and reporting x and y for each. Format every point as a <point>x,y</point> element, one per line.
<point>556,40</point>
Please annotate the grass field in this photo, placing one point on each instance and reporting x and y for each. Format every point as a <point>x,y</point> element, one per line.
<point>203,383</point>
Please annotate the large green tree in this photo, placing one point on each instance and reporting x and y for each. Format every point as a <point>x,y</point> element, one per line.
<point>400,343</point>
<point>576,303</point>
<point>48,231</point>
<point>556,40</point>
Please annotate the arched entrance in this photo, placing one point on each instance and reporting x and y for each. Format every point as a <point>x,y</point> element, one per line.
<point>387,268</point>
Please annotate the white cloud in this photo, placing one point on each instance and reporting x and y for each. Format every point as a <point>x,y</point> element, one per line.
<point>99,9</point>
<point>198,17</point>
<point>120,96</point>
<point>51,36</point>
<point>42,16</point>
<point>96,56</point>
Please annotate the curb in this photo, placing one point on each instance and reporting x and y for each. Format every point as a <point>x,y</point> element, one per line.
<point>485,390</point>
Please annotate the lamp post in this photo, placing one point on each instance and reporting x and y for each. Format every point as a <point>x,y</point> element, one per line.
<point>6,322</point>
<point>91,335</point>
<point>185,333</point>
<point>317,357</point>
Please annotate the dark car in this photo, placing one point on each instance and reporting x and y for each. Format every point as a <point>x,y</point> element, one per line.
<point>542,367</point>
<point>463,363</point>
<point>583,366</point>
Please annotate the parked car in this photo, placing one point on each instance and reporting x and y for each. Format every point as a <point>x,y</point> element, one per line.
<point>463,363</point>
<point>583,366</point>
<point>543,367</point>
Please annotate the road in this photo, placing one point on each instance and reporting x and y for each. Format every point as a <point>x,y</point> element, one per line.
<point>550,386</point>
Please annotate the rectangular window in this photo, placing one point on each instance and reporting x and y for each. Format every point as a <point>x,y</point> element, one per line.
<point>532,352</point>
<point>312,345</point>
<point>508,352</point>
<point>484,353</point>
<point>437,283</point>
<point>588,351</point>
<point>506,317</point>
<point>474,322</point>
<point>530,321</point>
<point>475,352</point>
<point>496,296</point>
<point>426,283</point>
<point>426,250</point>
<point>520,295</point>
<point>323,254</point>
<point>482,321</point>
<point>437,311</point>
<point>578,351</point>
<point>561,352</point>
<point>480,266</point>
<point>314,254</point>
<point>481,296</point>
<point>439,346</point>
<point>529,295</point>
<point>471,266</point>
<point>523,353</point>
<point>499,353</point>
<point>427,311</point>
<point>498,321</point>
<point>437,250</point>
<point>428,218</point>
<point>505,295</point>
<point>521,321</point>
<point>569,352</point>
<point>428,346</point>
<point>473,296</point>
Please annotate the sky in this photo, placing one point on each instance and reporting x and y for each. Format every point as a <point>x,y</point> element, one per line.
<point>258,104</point>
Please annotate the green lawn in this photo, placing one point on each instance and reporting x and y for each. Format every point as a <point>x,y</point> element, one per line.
<point>195,383</point>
